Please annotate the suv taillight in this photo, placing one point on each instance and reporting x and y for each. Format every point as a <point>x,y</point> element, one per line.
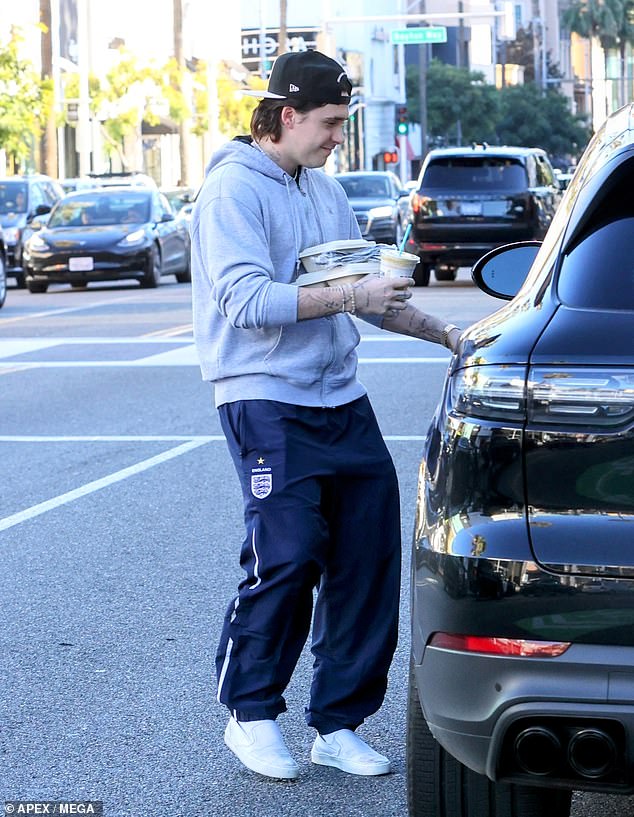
<point>549,395</point>
<point>589,396</point>
<point>490,392</point>
<point>419,202</point>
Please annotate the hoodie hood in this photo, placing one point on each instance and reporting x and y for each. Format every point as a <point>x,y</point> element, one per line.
<point>244,151</point>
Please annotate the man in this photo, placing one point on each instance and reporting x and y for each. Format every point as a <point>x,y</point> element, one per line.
<point>321,503</point>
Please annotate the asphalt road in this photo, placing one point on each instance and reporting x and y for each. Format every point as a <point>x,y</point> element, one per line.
<point>120,524</point>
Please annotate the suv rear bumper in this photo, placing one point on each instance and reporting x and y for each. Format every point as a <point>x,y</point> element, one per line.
<point>479,707</point>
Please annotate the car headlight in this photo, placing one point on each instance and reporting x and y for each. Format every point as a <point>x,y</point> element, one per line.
<point>11,235</point>
<point>37,243</point>
<point>135,237</point>
<point>380,212</point>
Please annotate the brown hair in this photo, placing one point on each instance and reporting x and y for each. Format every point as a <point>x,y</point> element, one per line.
<point>266,118</point>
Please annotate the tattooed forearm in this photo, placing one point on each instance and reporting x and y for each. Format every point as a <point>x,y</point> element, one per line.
<point>317,302</point>
<point>416,324</point>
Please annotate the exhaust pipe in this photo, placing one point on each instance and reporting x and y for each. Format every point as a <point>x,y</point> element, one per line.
<point>537,750</point>
<point>591,753</point>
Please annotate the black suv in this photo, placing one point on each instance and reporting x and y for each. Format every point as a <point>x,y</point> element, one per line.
<point>522,673</point>
<point>469,200</point>
<point>22,198</point>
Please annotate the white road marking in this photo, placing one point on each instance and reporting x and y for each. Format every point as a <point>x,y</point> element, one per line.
<point>118,476</point>
<point>47,313</point>
<point>98,484</point>
<point>177,357</point>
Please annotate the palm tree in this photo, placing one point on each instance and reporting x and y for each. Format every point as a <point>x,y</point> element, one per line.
<point>48,141</point>
<point>609,21</point>
<point>623,11</point>
<point>281,37</point>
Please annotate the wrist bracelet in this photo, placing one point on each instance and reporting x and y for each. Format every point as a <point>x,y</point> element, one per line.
<point>353,307</point>
<point>444,335</point>
<point>343,298</point>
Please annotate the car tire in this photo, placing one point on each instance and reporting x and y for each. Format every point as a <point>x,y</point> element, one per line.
<point>20,280</point>
<point>185,275</point>
<point>421,274</point>
<point>152,277</point>
<point>445,273</point>
<point>37,286</point>
<point>439,786</point>
<point>3,280</point>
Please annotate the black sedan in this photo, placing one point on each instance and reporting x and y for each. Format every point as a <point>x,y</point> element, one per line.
<point>522,670</point>
<point>379,202</point>
<point>108,235</point>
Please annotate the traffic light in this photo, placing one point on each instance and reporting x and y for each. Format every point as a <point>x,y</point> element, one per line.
<point>402,120</point>
<point>390,157</point>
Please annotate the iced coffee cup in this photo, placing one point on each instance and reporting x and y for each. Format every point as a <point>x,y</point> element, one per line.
<point>394,264</point>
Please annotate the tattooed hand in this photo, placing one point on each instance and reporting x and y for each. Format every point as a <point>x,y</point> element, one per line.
<point>375,295</point>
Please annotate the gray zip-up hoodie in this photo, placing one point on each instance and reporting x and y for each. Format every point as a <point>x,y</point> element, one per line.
<point>250,222</point>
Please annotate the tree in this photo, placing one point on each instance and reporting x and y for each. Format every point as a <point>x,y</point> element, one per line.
<point>25,100</point>
<point>48,142</point>
<point>532,118</point>
<point>521,51</point>
<point>610,21</point>
<point>461,107</point>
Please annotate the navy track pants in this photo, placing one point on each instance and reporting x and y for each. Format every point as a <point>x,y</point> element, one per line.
<point>321,510</point>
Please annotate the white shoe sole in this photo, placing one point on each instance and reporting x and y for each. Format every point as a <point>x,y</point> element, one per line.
<point>364,769</point>
<point>261,767</point>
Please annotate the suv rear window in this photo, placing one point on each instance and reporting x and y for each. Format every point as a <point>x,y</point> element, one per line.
<point>598,272</point>
<point>13,197</point>
<point>475,173</point>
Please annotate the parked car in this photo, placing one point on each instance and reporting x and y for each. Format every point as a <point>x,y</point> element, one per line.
<point>379,202</point>
<point>22,198</point>
<point>517,699</point>
<point>470,200</point>
<point>108,235</point>
<point>179,197</point>
<point>72,184</point>
<point>3,270</point>
<point>118,178</point>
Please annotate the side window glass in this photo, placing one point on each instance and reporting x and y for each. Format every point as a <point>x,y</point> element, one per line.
<point>544,174</point>
<point>36,197</point>
<point>597,272</point>
<point>165,205</point>
<point>49,193</point>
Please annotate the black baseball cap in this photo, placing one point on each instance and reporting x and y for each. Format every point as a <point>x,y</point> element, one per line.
<point>307,76</point>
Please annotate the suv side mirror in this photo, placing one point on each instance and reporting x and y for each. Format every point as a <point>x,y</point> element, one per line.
<point>502,271</point>
<point>41,209</point>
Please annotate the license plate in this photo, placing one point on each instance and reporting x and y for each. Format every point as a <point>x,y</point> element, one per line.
<point>82,264</point>
<point>471,208</point>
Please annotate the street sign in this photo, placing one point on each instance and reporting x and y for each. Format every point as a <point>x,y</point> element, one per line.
<point>416,36</point>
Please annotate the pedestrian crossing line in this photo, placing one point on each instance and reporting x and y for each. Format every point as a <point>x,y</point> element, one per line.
<point>98,484</point>
<point>178,357</point>
<point>118,476</point>
<point>174,331</point>
<point>151,438</point>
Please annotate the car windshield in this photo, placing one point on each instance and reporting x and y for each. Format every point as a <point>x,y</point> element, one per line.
<point>365,187</point>
<point>89,210</point>
<point>475,173</point>
<point>13,197</point>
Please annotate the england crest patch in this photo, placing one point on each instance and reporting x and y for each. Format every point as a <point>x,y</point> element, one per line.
<point>261,484</point>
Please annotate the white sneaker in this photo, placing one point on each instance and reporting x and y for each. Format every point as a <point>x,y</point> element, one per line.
<point>260,746</point>
<point>345,750</point>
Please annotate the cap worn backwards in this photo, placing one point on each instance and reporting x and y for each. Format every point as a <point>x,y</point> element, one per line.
<point>307,76</point>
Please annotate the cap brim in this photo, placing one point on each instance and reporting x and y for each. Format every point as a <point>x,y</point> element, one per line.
<point>263,94</point>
